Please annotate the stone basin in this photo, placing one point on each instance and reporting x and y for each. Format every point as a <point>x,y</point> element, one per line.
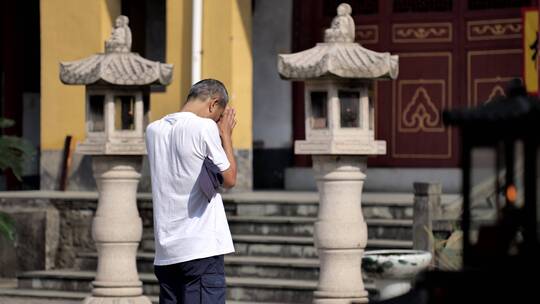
<point>393,270</point>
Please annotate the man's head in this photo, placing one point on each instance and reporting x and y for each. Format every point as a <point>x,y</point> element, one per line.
<point>210,97</point>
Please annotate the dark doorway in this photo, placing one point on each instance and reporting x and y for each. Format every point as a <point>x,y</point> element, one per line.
<point>20,82</point>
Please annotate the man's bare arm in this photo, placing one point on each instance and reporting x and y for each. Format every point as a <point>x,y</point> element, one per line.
<point>226,125</point>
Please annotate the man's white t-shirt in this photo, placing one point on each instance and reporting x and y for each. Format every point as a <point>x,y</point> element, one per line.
<point>186,225</point>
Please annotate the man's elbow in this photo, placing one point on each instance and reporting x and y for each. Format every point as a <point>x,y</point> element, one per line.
<point>229,184</point>
<point>229,179</point>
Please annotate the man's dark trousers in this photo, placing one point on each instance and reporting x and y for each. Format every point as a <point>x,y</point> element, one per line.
<point>200,281</point>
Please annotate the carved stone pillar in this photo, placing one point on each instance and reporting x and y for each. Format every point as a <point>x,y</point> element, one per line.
<point>340,230</point>
<point>340,135</point>
<point>117,231</point>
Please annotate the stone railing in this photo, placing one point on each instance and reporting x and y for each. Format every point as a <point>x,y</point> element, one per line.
<point>52,227</point>
<point>434,221</point>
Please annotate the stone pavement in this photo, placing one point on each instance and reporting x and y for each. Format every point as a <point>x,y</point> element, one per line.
<point>7,283</point>
<point>11,300</point>
<point>12,283</point>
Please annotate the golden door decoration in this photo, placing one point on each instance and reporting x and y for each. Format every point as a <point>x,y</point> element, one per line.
<point>421,112</point>
<point>486,89</point>
<point>498,29</point>
<point>367,34</point>
<point>422,32</point>
<point>488,72</point>
<point>419,96</point>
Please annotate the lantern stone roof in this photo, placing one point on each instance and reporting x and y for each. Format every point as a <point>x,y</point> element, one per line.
<point>118,65</point>
<point>339,56</point>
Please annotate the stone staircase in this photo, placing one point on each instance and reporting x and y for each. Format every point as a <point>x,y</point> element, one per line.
<point>275,259</point>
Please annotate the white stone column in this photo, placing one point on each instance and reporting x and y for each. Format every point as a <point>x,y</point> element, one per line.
<point>117,231</point>
<point>340,229</point>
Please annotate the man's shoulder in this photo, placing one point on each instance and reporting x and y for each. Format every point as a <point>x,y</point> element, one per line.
<point>211,128</point>
<point>151,126</point>
<point>204,123</point>
<point>195,123</point>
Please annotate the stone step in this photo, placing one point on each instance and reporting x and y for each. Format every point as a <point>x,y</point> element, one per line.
<point>387,206</point>
<point>390,229</point>
<point>57,295</point>
<point>40,296</point>
<point>304,204</point>
<point>275,245</point>
<point>235,266</point>
<point>272,225</point>
<point>254,290</point>
<point>290,246</point>
<point>304,226</point>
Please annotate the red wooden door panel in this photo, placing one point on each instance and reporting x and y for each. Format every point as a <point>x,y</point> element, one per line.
<point>488,71</point>
<point>419,96</point>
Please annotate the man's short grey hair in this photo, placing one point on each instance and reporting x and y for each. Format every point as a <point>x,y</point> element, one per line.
<point>209,88</point>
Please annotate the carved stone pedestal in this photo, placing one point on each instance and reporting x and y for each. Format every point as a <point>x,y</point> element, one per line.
<point>117,231</point>
<point>340,229</point>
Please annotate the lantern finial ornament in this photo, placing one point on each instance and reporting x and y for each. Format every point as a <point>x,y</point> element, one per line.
<point>342,28</point>
<point>120,40</point>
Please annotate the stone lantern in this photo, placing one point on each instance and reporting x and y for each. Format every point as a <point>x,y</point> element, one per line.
<point>117,86</point>
<point>340,135</point>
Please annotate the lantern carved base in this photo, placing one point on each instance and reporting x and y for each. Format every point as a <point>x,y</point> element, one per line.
<point>340,229</point>
<point>117,231</point>
<point>354,300</point>
<point>116,300</point>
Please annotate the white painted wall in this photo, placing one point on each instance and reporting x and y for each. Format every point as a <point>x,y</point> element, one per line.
<point>272,97</point>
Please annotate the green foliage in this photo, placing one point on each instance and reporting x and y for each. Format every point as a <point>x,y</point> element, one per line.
<point>6,123</point>
<point>14,151</point>
<point>7,227</point>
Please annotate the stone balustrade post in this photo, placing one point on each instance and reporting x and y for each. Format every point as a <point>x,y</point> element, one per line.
<point>427,208</point>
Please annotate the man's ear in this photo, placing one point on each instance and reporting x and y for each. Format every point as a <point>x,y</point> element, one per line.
<point>214,105</point>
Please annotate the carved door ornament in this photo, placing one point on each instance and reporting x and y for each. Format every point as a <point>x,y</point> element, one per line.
<point>421,114</point>
<point>497,91</point>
